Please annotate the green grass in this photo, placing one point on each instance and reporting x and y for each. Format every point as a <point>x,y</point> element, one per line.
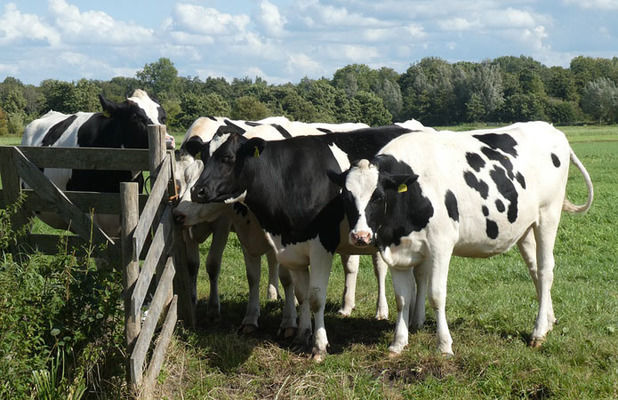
<point>491,307</point>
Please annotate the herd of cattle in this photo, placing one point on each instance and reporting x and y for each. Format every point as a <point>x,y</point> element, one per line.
<point>408,195</point>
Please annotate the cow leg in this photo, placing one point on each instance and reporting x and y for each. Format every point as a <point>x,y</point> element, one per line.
<point>321,263</point>
<point>193,263</point>
<point>527,248</point>
<point>252,313</point>
<point>301,289</point>
<point>379,269</point>
<point>438,274</point>
<point>288,316</point>
<point>350,268</point>
<point>273,276</point>
<point>545,235</point>
<point>221,230</point>
<point>417,317</point>
<point>402,285</point>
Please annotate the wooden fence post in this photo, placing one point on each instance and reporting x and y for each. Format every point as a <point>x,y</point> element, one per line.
<point>11,191</point>
<point>130,216</point>
<point>156,148</point>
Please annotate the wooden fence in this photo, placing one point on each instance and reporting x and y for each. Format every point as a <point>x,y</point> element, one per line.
<point>153,230</point>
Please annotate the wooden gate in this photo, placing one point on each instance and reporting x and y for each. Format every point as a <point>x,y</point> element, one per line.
<point>153,230</point>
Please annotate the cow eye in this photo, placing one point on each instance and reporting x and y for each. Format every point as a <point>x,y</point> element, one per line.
<point>227,159</point>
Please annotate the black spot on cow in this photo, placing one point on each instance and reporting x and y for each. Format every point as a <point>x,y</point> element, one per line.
<point>502,142</point>
<point>240,209</point>
<point>251,123</point>
<point>231,127</point>
<point>210,117</point>
<point>485,211</point>
<point>475,161</point>
<point>520,178</point>
<point>555,160</point>
<point>450,201</point>
<point>491,229</point>
<point>507,190</point>
<point>500,206</point>
<point>501,158</point>
<point>477,184</point>
<point>325,130</point>
<point>57,130</point>
<point>282,131</point>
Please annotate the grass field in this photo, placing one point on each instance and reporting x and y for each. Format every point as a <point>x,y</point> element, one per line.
<point>491,307</point>
<point>491,310</point>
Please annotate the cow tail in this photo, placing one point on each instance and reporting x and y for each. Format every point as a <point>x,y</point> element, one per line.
<point>573,208</point>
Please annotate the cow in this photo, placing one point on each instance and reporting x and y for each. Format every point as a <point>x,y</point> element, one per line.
<point>285,184</point>
<point>427,196</point>
<point>252,239</point>
<point>120,125</point>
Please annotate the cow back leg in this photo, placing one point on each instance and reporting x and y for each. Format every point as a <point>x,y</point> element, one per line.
<point>417,317</point>
<point>288,316</point>
<point>273,276</point>
<point>545,235</point>
<point>301,289</point>
<point>252,313</point>
<point>221,230</point>
<point>403,288</point>
<point>438,274</point>
<point>350,268</point>
<point>379,269</point>
<point>321,263</point>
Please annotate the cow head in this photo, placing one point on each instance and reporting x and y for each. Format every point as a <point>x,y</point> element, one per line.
<point>376,197</point>
<point>224,172</point>
<point>133,116</point>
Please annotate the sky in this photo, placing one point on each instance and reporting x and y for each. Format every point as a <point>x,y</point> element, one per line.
<point>285,40</point>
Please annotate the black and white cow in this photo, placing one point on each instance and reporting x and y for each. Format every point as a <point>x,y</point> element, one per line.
<point>285,184</point>
<point>426,197</point>
<point>253,241</point>
<point>120,125</point>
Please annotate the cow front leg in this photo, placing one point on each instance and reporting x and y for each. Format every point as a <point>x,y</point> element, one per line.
<point>220,234</point>
<point>379,269</point>
<point>301,289</point>
<point>350,268</point>
<point>252,313</point>
<point>321,263</point>
<point>417,316</point>
<point>438,275</point>
<point>402,286</point>
<point>288,326</point>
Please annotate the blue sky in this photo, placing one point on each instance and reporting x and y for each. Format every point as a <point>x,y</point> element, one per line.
<point>285,40</point>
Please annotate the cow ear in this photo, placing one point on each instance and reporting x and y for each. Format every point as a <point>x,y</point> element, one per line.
<point>336,177</point>
<point>194,145</point>
<point>397,182</point>
<point>252,148</point>
<point>109,107</point>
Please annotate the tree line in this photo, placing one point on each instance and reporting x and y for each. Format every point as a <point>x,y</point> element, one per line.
<point>433,91</point>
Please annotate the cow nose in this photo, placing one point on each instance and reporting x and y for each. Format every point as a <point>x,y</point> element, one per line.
<point>179,217</point>
<point>198,194</point>
<point>360,238</point>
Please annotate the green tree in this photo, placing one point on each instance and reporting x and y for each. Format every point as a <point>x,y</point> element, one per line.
<point>297,108</point>
<point>4,123</point>
<point>600,100</point>
<point>372,110</point>
<point>161,77</point>
<point>249,108</point>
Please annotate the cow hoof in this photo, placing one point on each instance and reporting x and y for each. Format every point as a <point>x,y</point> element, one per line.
<point>535,343</point>
<point>448,355</point>
<point>318,355</point>
<point>393,354</point>
<point>287,333</point>
<point>394,350</point>
<point>345,312</point>
<point>381,316</point>
<point>247,329</point>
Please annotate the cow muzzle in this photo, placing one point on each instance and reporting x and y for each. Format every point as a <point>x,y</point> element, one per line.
<point>360,238</point>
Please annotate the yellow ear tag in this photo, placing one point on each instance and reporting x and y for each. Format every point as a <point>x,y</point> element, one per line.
<point>256,152</point>
<point>402,188</point>
<point>106,114</point>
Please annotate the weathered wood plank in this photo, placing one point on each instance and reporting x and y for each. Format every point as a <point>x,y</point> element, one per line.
<point>158,355</point>
<point>130,267</point>
<point>150,323</point>
<point>182,281</point>
<point>79,222</point>
<point>11,190</point>
<point>48,244</point>
<point>159,189</point>
<point>101,202</point>
<point>96,158</point>
<point>159,249</point>
<point>156,148</point>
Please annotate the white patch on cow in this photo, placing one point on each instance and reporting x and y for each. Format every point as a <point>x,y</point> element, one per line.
<point>361,182</point>
<point>144,102</point>
<point>238,199</point>
<point>216,142</point>
<point>340,156</point>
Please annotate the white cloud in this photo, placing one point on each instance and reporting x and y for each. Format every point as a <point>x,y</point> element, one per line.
<point>208,21</point>
<point>416,31</point>
<point>595,4</point>
<point>95,26</point>
<point>302,64</point>
<point>456,24</point>
<point>314,13</point>
<point>16,26</point>
<point>271,19</point>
